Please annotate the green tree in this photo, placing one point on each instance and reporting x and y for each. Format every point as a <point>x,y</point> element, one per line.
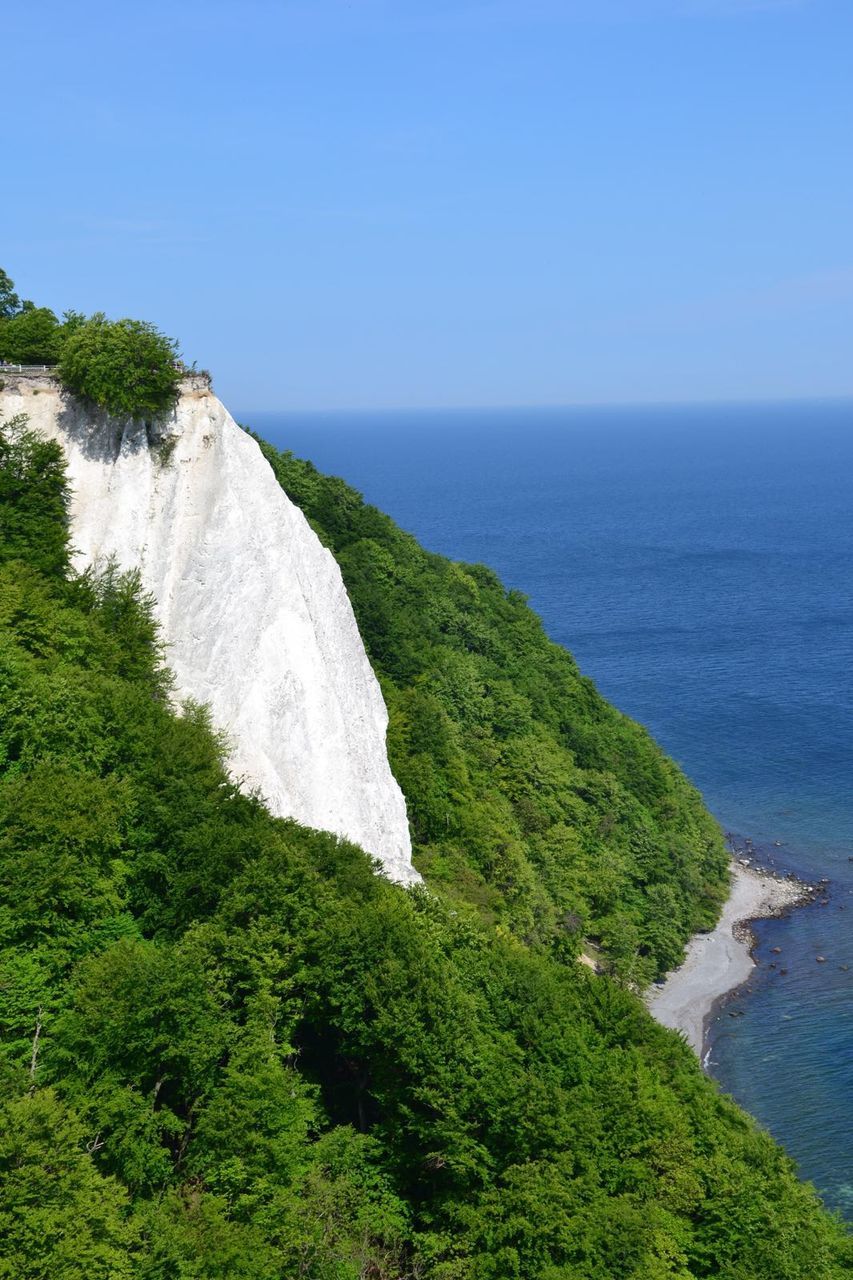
<point>59,1217</point>
<point>33,336</point>
<point>33,499</point>
<point>127,367</point>
<point>10,303</point>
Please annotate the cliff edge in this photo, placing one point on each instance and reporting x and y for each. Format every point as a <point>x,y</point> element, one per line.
<point>252,608</point>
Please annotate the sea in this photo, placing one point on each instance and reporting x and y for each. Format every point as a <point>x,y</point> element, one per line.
<point>698,562</point>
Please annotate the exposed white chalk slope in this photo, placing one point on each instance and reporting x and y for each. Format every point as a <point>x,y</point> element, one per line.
<point>252,607</point>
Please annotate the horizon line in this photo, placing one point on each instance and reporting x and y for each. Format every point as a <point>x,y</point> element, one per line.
<point>521,407</point>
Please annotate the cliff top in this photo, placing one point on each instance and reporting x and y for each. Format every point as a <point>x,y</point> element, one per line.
<point>38,376</point>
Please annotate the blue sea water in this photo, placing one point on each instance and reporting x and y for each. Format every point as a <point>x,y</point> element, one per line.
<point>698,562</point>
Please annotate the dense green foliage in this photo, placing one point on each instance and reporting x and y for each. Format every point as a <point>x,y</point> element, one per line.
<point>33,499</point>
<point>29,334</point>
<point>33,336</point>
<point>127,367</point>
<point>230,1051</point>
<point>529,795</point>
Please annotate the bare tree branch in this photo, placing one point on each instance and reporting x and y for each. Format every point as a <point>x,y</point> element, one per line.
<point>34,1058</point>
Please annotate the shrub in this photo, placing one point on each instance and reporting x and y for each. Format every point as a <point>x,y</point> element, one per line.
<point>128,367</point>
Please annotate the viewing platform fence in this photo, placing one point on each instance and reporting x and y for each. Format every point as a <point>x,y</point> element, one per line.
<point>195,377</point>
<point>7,366</point>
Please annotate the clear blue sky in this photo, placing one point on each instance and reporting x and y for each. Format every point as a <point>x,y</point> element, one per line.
<point>445,202</point>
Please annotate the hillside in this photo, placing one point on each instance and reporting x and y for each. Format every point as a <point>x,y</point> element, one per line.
<point>529,795</point>
<point>230,1049</point>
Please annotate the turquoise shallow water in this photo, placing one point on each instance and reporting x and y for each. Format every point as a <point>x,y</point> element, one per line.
<point>699,564</point>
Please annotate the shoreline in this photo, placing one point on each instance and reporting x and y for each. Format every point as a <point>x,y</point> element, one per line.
<point>718,962</point>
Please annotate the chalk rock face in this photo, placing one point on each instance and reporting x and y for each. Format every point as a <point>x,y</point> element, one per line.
<point>252,607</point>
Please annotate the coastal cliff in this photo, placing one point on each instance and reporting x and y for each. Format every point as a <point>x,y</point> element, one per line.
<point>255,617</point>
<point>227,1047</point>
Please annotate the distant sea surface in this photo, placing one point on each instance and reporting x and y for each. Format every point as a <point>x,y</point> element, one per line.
<point>698,562</point>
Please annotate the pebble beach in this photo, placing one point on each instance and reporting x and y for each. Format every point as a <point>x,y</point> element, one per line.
<point>720,961</point>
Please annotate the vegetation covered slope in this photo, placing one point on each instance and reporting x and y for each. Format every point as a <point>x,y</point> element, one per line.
<point>528,794</point>
<point>230,1051</point>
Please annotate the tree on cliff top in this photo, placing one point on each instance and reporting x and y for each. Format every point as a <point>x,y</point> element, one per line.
<point>31,336</point>
<point>128,367</point>
<point>10,303</point>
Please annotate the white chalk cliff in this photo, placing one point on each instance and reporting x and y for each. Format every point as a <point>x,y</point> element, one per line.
<point>252,607</point>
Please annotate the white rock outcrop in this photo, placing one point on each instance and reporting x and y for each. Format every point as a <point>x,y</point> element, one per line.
<point>252,607</point>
